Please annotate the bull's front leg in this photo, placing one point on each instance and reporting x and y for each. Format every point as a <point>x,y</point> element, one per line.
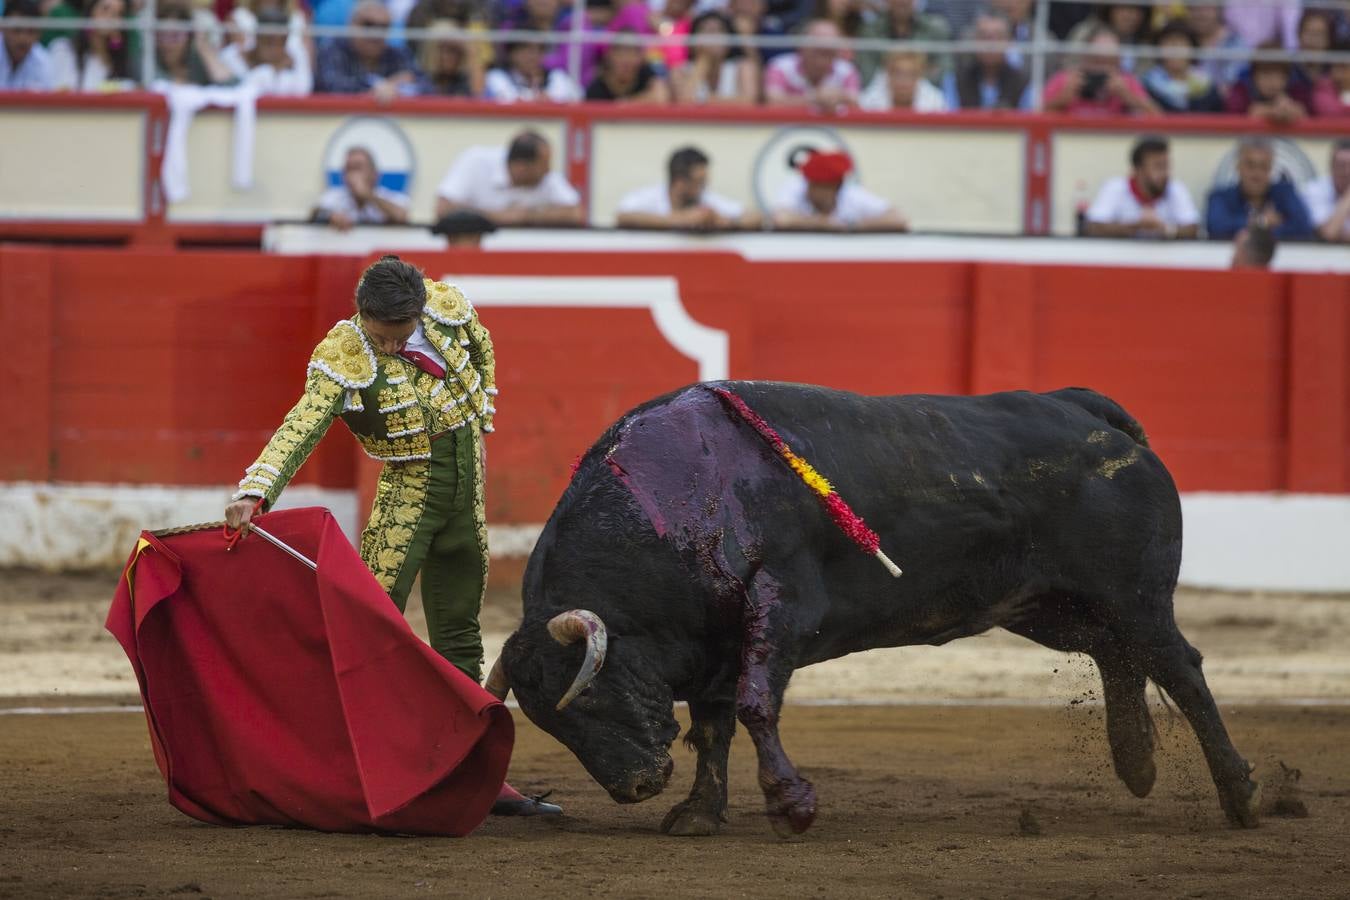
<point>712,725</point>
<point>765,670</point>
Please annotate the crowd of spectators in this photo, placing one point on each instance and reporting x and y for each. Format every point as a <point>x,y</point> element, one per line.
<point>1118,71</point>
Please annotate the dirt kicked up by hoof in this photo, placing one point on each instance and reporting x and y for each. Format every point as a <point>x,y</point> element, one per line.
<point>1283,796</point>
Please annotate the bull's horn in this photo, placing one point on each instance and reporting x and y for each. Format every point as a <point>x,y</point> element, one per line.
<point>572,626</point>
<point>497,684</point>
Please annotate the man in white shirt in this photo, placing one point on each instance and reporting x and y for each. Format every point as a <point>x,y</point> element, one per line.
<point>510,185</point>
<point>684,201</point>
<point>813,76</point>
<point>24,63</point>
<point>360,199</point>
<point>821,199</point>
<point>1328,199</point>
<point>1148,203</point>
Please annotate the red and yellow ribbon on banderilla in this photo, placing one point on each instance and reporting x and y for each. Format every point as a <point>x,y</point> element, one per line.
<point>839,512</point>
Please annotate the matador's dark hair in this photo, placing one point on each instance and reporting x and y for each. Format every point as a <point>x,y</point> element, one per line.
<point>391,290</point>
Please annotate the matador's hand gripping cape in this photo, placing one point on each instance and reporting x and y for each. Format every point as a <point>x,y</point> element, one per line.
<point>276,694</point>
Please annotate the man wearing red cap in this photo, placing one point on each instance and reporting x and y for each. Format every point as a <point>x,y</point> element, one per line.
<point>823,198</point>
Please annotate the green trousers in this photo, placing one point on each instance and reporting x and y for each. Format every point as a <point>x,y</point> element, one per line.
<point>428,517</point>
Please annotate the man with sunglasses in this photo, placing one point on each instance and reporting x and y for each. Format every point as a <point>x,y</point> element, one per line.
<point>366,64</point>
<point>413,376</point>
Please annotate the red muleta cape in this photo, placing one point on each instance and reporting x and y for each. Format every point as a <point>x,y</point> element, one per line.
<point>283,696</point>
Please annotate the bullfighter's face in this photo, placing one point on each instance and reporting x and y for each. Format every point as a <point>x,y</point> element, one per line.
<point>620,727</point>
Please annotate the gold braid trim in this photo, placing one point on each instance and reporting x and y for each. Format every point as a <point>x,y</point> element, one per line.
<point>447,304</point>
<point>345,356</point>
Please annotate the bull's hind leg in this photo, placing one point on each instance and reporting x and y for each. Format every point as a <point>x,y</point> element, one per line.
<point>1129,726</point>
<point>1175,667</point>
<point>1060,624</point>
<point>710,731</point>
<point>766,667</point>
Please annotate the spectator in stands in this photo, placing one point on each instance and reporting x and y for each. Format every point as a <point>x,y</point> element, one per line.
<point>464,228</point>
<point>1130,22</point>
<point>900,20</point>
<point>522,75</point>
<point>1206,22</point>
<point>822,197</point>
<point>750,18</point>
<point>1270,93</point>
<point>467,13</point>
<point>626,76</point>
<point>815,77</point>
<point>1328,198</point>
<point>98,58</point>
<point>902,85</point>
<point>531,15</point>
<point>788,16</point>
<point>360,199</point>
<point>1021,24</point>
<point>959,15</point>
<point>24,62</point>
<point>674,22</point>
<point>599,15</point>
<point>1150,203</point>
<point>1094,85</point>
<point>184,55</point>
<point>1256,199</point>
<point>1253,248</point>
<point>1175,82</point>
<point>1331,95</point>
<point>1265,21</point>
<point>366,65</point>
<point>684,201</point>
<point>1127,21</point>
<point>1314,36</point>
<point>510,185</point>
<point>451,67</point>
<point>716,74</point>
<point>276,64</point>
<point>847,16</point>
<point>986,79</point>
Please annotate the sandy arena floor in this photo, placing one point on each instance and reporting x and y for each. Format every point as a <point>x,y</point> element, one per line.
<point>933,797</point>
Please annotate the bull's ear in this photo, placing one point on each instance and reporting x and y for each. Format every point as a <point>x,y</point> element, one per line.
<point>570,627</point>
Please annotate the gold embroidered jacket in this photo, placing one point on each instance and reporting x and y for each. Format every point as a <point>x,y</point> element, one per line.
<point>392,407</point>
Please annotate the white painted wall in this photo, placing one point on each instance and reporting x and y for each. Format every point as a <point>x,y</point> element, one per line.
<point>1243,542</point>
<point>1289,542</point>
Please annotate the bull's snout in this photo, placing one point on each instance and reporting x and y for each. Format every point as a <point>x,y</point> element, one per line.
<point>644,785</point>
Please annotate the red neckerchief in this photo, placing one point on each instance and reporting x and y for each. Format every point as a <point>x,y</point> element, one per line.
<point>1144,199</point>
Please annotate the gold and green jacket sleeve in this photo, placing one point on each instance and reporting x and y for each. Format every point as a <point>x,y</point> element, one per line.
<point>300,432</point>
<point>485,361</point>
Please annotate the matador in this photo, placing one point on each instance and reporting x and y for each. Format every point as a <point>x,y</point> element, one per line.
<point>413,376</point>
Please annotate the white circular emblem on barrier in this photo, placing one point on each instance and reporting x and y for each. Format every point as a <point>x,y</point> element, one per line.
<point>778,159</point>
<point>1290,162</point>
<point>390,147</point>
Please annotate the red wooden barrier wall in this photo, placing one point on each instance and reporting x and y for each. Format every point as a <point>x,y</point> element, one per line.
<point>174,367</point>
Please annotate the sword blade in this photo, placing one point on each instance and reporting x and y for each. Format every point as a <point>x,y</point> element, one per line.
<point>283,546</point>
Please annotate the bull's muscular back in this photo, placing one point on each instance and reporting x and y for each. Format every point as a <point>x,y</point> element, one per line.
<point>986,502</point>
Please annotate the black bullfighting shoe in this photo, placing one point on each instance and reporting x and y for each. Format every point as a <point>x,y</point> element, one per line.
<point>511,802</point>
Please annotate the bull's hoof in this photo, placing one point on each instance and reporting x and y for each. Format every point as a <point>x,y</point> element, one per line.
<point>791,807</point>
<point>1138,776</point>
<point>687,820</point>
<point>1242,803</point>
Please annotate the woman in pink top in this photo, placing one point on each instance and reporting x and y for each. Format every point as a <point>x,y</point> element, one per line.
<point>1095,85</point>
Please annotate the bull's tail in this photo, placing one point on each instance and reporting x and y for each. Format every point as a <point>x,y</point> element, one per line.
<point>1104,408</point>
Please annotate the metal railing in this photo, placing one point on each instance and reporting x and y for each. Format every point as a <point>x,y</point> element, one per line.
<point>1041,49</point>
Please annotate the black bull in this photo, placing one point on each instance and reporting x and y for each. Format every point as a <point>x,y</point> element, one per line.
<point>686,561</point>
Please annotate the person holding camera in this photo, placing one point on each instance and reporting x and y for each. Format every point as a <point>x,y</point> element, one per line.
<point>1094,84</point>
